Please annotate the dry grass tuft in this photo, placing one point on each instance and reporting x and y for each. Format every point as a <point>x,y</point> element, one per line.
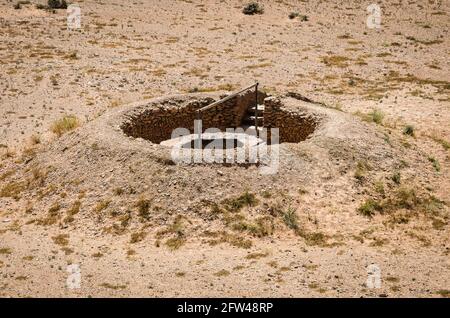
<point>61,239</point>
<point>12,190</point>
<point>101,205</point>
<point>5,251</point>
<point>225,237</point>
<point>143,206</point>
<point>222,273</point>
<point>236,204</point>
<point>111,286</point>
<point>256,255</point>
<point>290,218</point>
<point>65,124</point>
<point>175,243</point>
<point>335,60</point>
<point>137,237</point>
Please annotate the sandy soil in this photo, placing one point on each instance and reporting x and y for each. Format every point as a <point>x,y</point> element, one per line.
<point>132,52</point>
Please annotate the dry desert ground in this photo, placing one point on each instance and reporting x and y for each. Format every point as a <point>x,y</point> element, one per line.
<point>357,208</point>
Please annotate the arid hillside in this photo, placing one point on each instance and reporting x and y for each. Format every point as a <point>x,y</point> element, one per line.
<point>368,188</point>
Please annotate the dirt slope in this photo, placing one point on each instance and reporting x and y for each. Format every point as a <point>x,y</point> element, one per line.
<point>359,192</point>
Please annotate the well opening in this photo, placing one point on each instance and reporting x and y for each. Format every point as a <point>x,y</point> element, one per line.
<point>219,143</point>
<point>158,120</point>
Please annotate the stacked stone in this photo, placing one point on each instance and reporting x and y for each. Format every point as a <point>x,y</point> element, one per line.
<point>294,125</point>
<point>156,122</point>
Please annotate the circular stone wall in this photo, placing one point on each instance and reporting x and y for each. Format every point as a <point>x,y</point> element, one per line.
<point>157,120</point>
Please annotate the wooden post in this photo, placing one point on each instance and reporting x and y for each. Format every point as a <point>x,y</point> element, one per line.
<point>256,108</point>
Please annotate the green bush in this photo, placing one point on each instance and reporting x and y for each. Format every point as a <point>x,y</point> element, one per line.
<point>409,130</point>
<point>435,163</point>
<point>65,124</point>
<point>369,207</point>
<point>293,15</point>
<point>396,177</point>
<point>253,8</point>
<point>291,219</point>
<point>236,204</point>
<point>57,4</point>
<point>377,116</point>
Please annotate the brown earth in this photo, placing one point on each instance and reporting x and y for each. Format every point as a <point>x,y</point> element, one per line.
<point>357,192</point>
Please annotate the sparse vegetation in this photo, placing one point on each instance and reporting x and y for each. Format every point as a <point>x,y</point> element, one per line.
<point>435,163</point>
<point>335,60</point>
<point>5,251</point>
<point>438,224</point>
<point>57,4</point>
<point>12,190</point>
<point>225,237</point>
<point>421,238</point>
<point>35,140</point>
<point>177,231</point>
<point>303,18</point>
<point>377,116</point>
<point>236,204</point>
<point>75,208</point>
<point>396,177</point>
<point>361,169</point>
<point>293,15</point>
<point>61,239</point>
<point>290,218</point>
<point>260,65</point>
<point>256,255</point>
<point>266,194</point>
<point>444,293</point>
<point>52,215</point>
<point>406,198</point>
<point>369,207</point>
<point>253,8</point>
<point>409,130</point>
<point>111,286</point>
<point>222,272</point>
<point>175,243</point>
<point>143,206</point>
<point>377,242</point>
<point>316,287</point>
<point>118,191</point>
<point>262,227</point>
<point>65,124</point>
<point>444,143</point>
<point>137,237</point>
<point>379,187</point>
<point>101,205</point>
